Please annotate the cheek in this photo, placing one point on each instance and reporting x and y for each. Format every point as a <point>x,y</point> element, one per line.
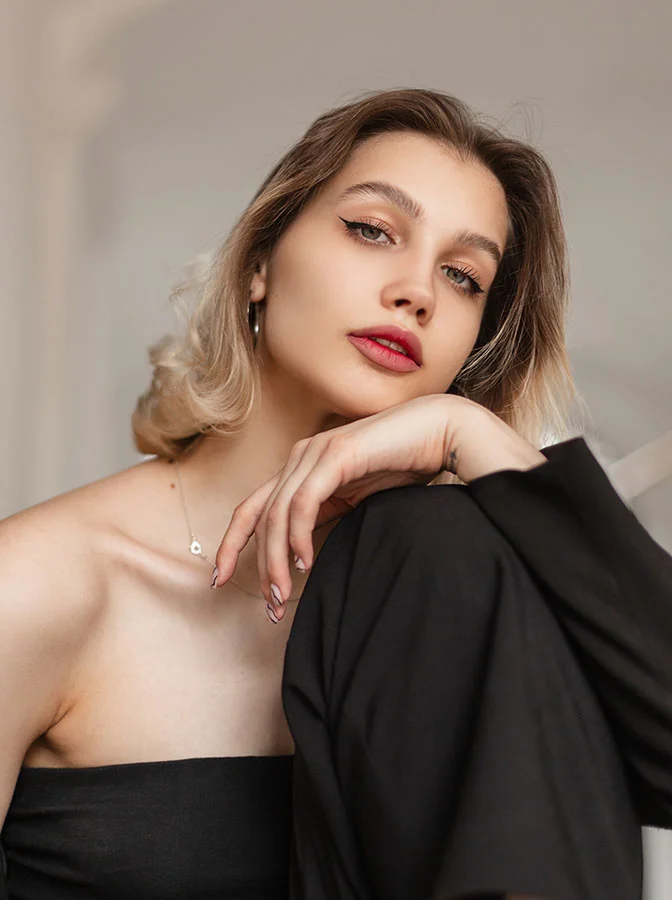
<point>310,292</point>
<point>459,324</point>
<point>451,344</point>
<point>287,329</point>
<point>301,263</point>
<point>297,325</point>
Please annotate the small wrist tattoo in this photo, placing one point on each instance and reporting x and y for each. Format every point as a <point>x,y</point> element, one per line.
<point>452,465</point>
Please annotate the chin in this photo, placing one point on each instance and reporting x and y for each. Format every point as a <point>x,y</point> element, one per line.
<point>360,403</point>
<point>347,388</point>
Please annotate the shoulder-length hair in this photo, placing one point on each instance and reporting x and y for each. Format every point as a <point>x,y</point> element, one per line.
<point>207,380</point>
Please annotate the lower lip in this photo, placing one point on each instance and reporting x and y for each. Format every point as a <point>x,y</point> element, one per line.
<point>384,356</point>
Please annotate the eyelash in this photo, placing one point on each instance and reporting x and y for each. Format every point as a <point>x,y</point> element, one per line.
<point>352,228</point>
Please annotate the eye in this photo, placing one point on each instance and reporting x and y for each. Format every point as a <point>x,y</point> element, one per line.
<point>467,280</point>
<point>356,228</point>
<point>464,278</point>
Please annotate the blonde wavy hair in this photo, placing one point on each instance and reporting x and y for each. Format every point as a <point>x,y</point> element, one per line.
<point>206,378</point>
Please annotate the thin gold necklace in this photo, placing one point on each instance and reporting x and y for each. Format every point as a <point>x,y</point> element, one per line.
<point>194,544</point>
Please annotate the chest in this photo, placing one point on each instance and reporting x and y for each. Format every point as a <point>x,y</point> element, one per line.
<point>174,677</point>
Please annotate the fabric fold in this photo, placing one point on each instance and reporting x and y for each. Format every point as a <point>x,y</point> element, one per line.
<point>466,681</point>
<point>610,585</point>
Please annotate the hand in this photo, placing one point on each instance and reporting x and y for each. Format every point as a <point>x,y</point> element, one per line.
<point>330,473</point>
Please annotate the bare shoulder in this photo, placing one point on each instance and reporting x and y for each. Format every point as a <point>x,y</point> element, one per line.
<point>57,557</point>
<point>53,597</point>
<point>50,580</point>
<point>50,600</point>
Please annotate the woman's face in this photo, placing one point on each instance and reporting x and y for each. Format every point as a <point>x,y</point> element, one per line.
<point>428,273</point>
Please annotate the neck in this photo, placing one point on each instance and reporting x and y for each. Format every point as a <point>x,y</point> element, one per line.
<point>218,473</point>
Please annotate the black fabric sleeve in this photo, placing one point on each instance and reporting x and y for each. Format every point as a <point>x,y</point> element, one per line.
<point>609,583</point>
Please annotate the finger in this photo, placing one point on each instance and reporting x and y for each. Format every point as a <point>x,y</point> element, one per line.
<point>273,546</point>
<point>291,516</point>
<point>310,500</point>
<point>239,530</point>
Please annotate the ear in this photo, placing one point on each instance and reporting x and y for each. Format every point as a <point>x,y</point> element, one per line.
<point>258,283</point>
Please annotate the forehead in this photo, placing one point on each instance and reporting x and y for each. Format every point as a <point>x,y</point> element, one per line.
<point>452,192</point>
<point>403,151</point>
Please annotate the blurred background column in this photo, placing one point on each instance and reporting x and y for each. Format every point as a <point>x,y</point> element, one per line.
<point>15,144</point>
<point>61,89</point>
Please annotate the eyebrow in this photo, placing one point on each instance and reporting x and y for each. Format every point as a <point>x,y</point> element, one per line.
<point>393,194</point>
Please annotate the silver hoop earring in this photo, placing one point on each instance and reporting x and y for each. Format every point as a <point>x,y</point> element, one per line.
<point>254,321</point>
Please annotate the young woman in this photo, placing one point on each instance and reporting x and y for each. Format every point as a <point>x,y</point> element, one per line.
<point>474,695</point>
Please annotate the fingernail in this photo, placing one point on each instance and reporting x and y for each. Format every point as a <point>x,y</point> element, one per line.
<point>299,563</point>
<point>215,576</point>
<point>277,596</point>
<point>271,615</point>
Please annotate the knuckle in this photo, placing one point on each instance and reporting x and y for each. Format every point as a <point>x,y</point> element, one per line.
<point>298,514</point>
<point>338,442</point>
<point>273,514</point>
<point>300,501</point>
<point>300,446</point>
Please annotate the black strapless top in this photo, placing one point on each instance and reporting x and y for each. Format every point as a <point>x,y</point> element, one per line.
<point>189,829</point>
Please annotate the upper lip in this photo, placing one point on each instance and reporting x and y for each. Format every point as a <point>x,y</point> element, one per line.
<point>407,339</point>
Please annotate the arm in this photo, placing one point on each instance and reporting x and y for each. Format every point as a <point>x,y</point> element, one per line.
<point>610,585</point>
<point>47,610</point>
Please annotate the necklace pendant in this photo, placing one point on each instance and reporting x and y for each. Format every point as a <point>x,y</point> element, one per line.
<point>195,548</point>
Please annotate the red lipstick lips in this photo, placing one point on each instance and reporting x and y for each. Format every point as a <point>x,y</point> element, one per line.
<point>386,356</point>
<point>407,339</point>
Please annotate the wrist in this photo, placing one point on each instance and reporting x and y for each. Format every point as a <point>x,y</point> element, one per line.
<point>484,444</point>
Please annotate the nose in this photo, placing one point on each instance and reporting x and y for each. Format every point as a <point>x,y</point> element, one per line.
<point>412,289</point>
